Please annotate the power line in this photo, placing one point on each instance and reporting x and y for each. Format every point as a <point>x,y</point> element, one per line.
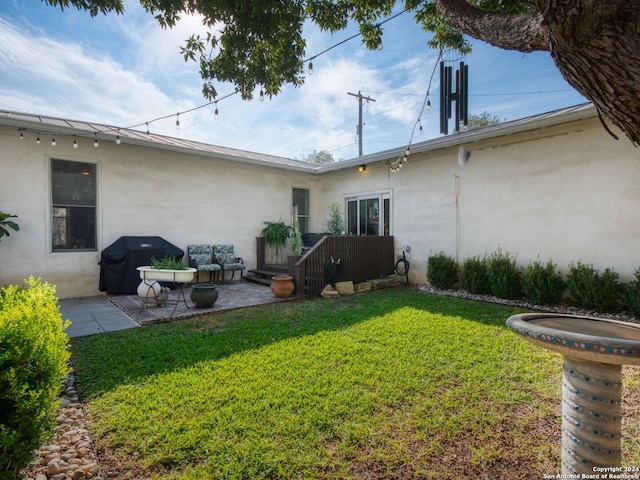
<point>177,114</point>
<point>411,94</point>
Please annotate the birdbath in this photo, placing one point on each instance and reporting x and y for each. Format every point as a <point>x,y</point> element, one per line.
<point>594,351</point>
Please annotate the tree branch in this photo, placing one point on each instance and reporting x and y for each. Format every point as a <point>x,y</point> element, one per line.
<point>517,31</point>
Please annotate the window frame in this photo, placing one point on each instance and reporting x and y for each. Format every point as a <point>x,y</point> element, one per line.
<point>385,206</point>
<point>70,207</point>
<point>306,218</point>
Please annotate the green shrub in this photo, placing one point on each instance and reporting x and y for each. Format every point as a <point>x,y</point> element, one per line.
<point>632,295</point>
<point>543,284</point>
<point>335,224</point>
<point>442,271</point>
<point>590,289</point>
<point>33,361</point>
<point>505,278</point>
<point>475,277</point>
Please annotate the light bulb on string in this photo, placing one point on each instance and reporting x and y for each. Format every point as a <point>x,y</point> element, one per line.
<point>310,69</point>
<point>261,95</point>
<point>177,121</point>
<point>420,123</point>
<point>38,139</point>
<point>21,135</point>
<point>379,46</point>
<point>215,112</point>
<point>428,104</point>
<point>53,142</point>
<point>118,141</point>
<point>95,140</point>
<point>75,143</point>
<point>148,132</point>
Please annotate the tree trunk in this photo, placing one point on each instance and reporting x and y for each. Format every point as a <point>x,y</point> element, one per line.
<point>594,44</point>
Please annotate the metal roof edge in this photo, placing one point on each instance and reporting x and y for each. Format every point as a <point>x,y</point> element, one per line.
<point>58,126</point>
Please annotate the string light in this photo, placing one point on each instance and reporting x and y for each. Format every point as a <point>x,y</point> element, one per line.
<point>75,143</point>
<point>21,134</point>
<point>95,140</point>
<point>38,139</point>
<point>396,165</point>
<point>236,91</point>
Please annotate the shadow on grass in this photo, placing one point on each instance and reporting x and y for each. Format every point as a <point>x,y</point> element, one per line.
<point>103,362</point>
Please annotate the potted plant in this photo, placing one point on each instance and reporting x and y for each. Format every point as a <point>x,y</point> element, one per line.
<point>295,245</point>
<point>167,269</point>
<point>6,224</point>
<point>276,235</point>
<point>335,225</point>
<point>295,239</point>
<point>167,263</point>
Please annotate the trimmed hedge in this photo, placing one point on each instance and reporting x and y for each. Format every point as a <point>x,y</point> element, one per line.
<point>543,284</point>
<point>632,294</point>
<point>442,271</point>
<point>33,361</point>
<point>592,290</point>
<point>505,278</point>
<point>475,277</point>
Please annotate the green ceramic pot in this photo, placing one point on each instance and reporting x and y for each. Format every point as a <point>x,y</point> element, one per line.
<point>204,295</point>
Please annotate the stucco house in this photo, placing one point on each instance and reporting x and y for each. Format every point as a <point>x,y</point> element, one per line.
<point>554,185</point>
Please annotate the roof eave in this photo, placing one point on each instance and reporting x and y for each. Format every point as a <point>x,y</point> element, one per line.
<point>557,117</point>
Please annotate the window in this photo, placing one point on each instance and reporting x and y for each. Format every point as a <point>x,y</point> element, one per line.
<point>301,201</point>
<point>369,214</point>
<point>73,193</point>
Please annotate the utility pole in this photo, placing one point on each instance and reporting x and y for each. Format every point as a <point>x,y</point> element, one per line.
<point>360,98</point>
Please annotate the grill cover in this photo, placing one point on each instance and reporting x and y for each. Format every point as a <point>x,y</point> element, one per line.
<point>118,262</point>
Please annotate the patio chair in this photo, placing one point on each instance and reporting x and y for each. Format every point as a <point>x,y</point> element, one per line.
<point>226,257</point>
<point>201,257</point>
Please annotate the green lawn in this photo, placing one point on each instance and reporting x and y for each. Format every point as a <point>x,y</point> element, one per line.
<point>389,384</point>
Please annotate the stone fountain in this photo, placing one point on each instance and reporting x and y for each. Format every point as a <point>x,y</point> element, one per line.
<point>594,351</point>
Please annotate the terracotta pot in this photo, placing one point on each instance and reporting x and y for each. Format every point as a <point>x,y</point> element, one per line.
<point>204,295</point>
<point>282,286</point>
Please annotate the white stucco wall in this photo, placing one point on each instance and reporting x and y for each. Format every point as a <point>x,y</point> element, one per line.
<point>567,193</point>
<point>141,191</point>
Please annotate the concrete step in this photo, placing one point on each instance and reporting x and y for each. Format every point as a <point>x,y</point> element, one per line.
<point>260,280</point>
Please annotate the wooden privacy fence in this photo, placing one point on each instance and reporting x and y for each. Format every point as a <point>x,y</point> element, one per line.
<point>343,258</point>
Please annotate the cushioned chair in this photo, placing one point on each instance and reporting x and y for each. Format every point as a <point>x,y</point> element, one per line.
<point>201,257</point>
<point>226,257</point>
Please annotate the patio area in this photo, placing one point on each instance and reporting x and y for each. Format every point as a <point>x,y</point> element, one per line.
<point>106,313</point>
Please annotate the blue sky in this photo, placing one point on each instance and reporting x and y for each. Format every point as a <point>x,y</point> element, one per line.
<point>125,70</point>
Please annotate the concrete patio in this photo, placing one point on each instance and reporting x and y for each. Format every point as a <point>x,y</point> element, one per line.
<point>109,313</point>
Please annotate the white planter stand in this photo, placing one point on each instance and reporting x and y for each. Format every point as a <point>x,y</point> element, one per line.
<point>150,276</point>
